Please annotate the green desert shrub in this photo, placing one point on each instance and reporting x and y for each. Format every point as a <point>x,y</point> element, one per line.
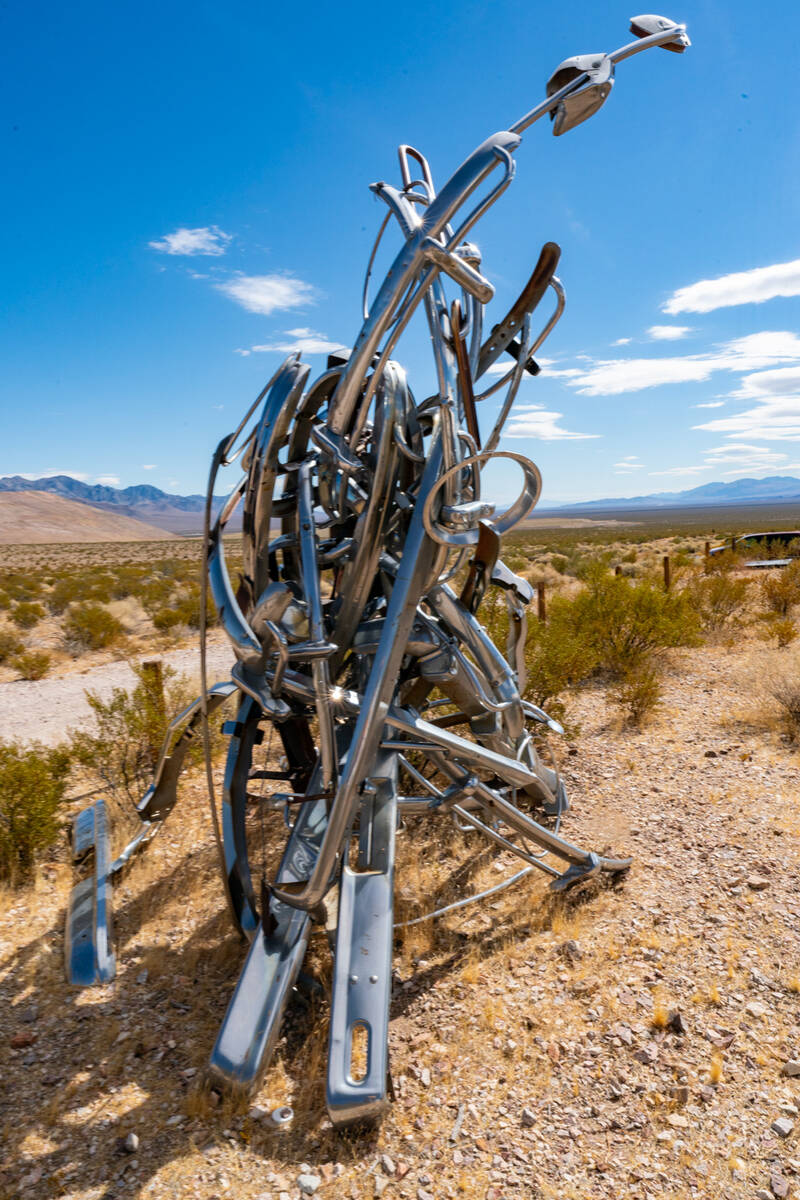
<point>622,622</point>
<point>26,613</point>
<point>90,627</point>
<point>638,693</point>
<point>780,592</point>
<point>783,629</point>
<point>9,645</point>
<point>129,729</point>
<point>719,599</point>
<point>32,664</point>
<point>32,783</point>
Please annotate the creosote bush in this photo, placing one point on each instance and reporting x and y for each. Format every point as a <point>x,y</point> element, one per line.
<point>32,783</point>
<point>124,747</point>
<point>781,591</point>
<point>783,629</point>
<point>638,693</point>
<point>90,627</point>
<point>26,614</point>
<point>9,645</point>
<point>32,664</point>
<point>718,599</point>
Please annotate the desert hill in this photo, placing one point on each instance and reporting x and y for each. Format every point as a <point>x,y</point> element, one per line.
<point>39,518</point>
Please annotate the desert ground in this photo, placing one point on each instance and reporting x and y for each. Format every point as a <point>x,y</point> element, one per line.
<point>636,1040</point>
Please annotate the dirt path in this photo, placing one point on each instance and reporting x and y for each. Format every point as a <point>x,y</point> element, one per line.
<point>45,709</point>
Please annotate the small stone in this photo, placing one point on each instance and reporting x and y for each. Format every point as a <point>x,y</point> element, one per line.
<point>528,1118</point>
<point>675,1022</point>
<point>782,1126</point>
<point>142,976</point>
<point>425,1077</point>
<point>755,1009</point>
<point>677,1121</point>
<point>757,883</point>
<point>422,1194</point>
<point>647,1055</point>
<point>387,1165</point>
<point>779,1186</point>
<point>763,1194</point>
<point>177,1119</point>
<point>791,1068</point>
<point>381,1184</point>
<point>23,1039</point>
<point>131,1143</point>
<point>308,1184</point>
<point>680,1094</point>
<point>30,1014</point>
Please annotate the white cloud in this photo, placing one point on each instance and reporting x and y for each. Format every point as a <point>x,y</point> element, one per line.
<point>626,466</point>
<point>210,239</point>
<point>107,480</point>
<point>534,422</point>
<point>266,294</point>
<point>680,471</point>
<point>668,333</point>
<point>776,420</point>
<point>622,342</point>
<point>743,287</point>
<point>302,341</point>
<point>149,466</point>
<point>615,376</point>
<point>244,353</point>
<point>711,404</point>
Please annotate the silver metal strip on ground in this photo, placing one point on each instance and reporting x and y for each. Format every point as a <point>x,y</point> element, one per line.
<point>89,956</point>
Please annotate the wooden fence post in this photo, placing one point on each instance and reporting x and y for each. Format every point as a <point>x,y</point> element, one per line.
<point>541,603</point>
<point>617,569</point>
<point>707,549</point>
<point>667,572</point>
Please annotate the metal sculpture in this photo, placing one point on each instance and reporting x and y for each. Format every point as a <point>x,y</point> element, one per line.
<point>354,646</point>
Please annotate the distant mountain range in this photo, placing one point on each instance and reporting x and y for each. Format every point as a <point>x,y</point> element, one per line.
<point>177,514</point>
<point>741,491</point>
<point>184,514</point>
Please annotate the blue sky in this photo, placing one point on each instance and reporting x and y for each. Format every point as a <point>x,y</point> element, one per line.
<point>187,197</point>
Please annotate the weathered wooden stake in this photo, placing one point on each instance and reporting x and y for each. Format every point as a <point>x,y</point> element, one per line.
<point>707,549</point>
<point>541,603</point>
<point>667,572</point>
<point>617,569</point>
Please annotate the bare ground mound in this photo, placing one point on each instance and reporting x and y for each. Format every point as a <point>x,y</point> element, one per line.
<point>38,518</point>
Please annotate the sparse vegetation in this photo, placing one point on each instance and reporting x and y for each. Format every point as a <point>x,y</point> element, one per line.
<point>781,591</point>
<point>26,613</point>
<point>90,627</point>
<point>129,730</point>
<point>718,598</point>
<point>32,784</point>
<point>32,664</point>
<point>10,645</point>
<point>638,693</point>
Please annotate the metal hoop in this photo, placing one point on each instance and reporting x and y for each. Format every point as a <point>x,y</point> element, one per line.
<point>512,516</point>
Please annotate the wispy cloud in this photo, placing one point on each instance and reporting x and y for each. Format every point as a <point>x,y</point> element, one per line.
<point>743,287</point>
<point>108,480</point>
<point>628,464</point>
<point>209,239</point>
<point>149,466</point>
<point>668,333</point>
<point>532,421</point>
<point>302,341</point>
<point>711,404</point>
<point>266,294</point>
<point>622,342</point>
<point>677,471</point>
<point>614,376</point>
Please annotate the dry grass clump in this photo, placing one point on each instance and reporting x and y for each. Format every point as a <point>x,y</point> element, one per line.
<point>782,629</point>
<point>719,598</point>
<point>32,783</point>
<point>638,693</point>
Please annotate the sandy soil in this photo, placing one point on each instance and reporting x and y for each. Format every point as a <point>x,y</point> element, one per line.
<point>44,710</point>
<point>40,518</point>
<point>641,1041</point>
